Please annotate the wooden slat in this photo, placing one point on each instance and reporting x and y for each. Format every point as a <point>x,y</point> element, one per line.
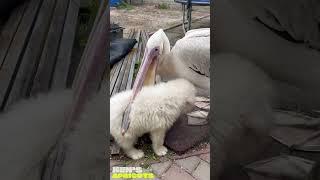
<point>123,68</point>
<point>133,61</point>
<point>9,30</point>
<point>25,75</point>
<point>120,75</point>
<point>65,50</point>
<point>112,73</point>
<point>11,64</point>
<point>113,81</point>
<point>131,58</point>
<point>123,76</point>
<point>44,73</point>
<point>117,67</point>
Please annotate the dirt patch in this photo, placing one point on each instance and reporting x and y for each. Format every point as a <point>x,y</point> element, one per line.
<point>151,17</point>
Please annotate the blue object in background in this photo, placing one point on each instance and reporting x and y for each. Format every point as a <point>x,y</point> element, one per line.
<point>195,2</point>
<point>114,3</point>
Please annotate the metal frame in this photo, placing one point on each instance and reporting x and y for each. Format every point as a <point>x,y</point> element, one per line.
<point>187,8</point>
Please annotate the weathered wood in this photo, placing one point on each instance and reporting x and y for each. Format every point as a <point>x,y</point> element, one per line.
<point>48,58</point>
<point>113,81</point>
<point>136,56</point>
<point>26,72</point>
<point>12,62</point>
<point>9,30</point>
<point>66,45</point>
<point>117,76</point>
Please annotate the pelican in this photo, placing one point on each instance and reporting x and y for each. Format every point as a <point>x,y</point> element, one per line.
<point>188,59</point>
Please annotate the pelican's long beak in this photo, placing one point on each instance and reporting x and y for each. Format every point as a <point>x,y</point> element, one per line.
<point>147,72</point>
<point>146,76</point>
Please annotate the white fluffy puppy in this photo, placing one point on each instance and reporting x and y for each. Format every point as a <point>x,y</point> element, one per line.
<point>153,111</point>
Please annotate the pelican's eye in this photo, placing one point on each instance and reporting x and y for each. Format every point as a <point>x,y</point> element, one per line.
<point>156,49</point>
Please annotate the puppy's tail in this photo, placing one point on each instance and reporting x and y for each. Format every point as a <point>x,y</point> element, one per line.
<point>28,131</point>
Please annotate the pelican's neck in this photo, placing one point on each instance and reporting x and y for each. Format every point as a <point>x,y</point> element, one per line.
<point>165,44</point>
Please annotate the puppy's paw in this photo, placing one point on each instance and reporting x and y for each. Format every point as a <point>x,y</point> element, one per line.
<point>161,151</point>
<point>136,154</point>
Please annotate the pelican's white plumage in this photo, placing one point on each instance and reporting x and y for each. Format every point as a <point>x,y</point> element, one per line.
<point>154,110</point>
<point>189,58</point>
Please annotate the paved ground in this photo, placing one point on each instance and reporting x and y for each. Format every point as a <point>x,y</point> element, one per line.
<point>194,165</point>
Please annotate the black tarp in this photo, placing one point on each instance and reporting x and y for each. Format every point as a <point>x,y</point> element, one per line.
<point>119,48</point>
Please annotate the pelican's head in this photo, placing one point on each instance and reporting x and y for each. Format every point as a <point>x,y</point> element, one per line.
<point>157,45</point>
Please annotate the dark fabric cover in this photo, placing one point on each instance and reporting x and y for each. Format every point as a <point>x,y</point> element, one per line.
<point>6,7</point>
<point>119,48</point>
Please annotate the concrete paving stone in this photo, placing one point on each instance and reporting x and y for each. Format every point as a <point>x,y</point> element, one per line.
<point>189,163</point>
<point>176,173</point>
<point>116,163</point>
<point>202,172</point>
<point>205,157</point>
<point>160,168</point>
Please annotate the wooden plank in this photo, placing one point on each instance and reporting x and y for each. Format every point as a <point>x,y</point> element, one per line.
<point>131,58</point>
<point>119,76</point>
<point>117,67</point>
<point>133,62</point>
<point>60,75</point>
<point>12,62</point>
<point>26,72</point>
<point>122,76</point>
<point>120,73</point>
<point>45,70</point>
<point>9,30</point>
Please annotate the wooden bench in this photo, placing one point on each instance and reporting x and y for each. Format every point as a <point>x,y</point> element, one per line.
<point>35,48</point>
<point>121,74</point>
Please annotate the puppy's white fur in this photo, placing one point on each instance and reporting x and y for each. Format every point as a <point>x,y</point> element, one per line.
<point>153,111</point>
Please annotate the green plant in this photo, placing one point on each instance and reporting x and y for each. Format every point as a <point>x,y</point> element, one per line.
<point>124,5</point>
<point>136,68</point>
<point>163,6</point>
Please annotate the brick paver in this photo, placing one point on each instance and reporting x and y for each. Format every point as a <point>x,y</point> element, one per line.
<point>202,172</point>
<point>160,168</point>
<point>175,173</point>
<point>189,164</point>
<point>205,157</point>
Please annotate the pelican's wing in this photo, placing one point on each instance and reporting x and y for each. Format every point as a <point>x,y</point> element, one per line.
<point>194,50</point>
<point>198,32</point>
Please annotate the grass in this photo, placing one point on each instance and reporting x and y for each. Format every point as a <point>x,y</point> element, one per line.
<point>136,68</point>
<point>144,143</point>
<point>124,5</point>
<point>163,6</point>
